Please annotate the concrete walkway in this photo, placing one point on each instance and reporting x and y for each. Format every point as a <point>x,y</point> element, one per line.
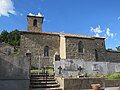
<point>107,88</point>
<point>111,88</point>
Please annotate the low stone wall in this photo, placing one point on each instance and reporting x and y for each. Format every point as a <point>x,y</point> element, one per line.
<point>112,83</point>
<point>79,83</point>
<point>85,83</point>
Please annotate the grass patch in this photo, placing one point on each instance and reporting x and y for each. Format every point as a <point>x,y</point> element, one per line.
<point>50,71</point>
<point>113,76</point>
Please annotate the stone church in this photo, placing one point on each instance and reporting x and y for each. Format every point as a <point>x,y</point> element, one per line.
<point>45,45</point>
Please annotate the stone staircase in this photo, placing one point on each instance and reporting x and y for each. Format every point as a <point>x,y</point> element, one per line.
<point>43,82</point>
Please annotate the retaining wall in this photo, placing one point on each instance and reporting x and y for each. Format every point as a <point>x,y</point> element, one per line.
<point>112,83</point>
<point>85,83</point>
<point>14,73</point>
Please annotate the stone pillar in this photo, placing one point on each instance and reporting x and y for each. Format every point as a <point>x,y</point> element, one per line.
<point>62,47</point>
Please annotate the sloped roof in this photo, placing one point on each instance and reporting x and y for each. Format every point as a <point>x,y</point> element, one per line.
<point>64,34</point>
<point>113,51</point>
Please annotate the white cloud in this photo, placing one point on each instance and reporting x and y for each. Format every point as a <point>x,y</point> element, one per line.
<point>39,14</point>
<point>31,14</point>
<point>97,29</point>
<point>97,35</point>
<point>102,33</point>
<point>6,8</point>
<point>108,33</point>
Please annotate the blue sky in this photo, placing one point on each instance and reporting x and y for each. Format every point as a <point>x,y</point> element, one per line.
<point>99,18</point>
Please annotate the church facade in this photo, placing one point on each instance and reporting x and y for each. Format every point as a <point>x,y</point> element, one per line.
<point>67,46</point>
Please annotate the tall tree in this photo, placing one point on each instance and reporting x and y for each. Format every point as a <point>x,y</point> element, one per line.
<point>14,38</point>
<point>118,48</point>
<point>4,36</point>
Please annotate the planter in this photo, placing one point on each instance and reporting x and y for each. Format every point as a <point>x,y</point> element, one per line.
<point>95,86</point>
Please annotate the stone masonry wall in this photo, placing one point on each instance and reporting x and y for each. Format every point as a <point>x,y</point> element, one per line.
<point>72,49</point>
<point>35,42</point>
<point>113,56</point>
<point>112,83</point>
<point>81,83</point>
<point>32,28</point>
<point>89,49</point>
<point>101,49</point>
<point>85,83</point>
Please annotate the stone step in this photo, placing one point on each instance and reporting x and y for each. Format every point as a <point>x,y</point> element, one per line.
<point>56,88</point>
<point>39,80</point>
<point>42,77</point>
<point>45,86</point>
<point>39,88</point>
<point>43,82</point>
<point>39,75</point>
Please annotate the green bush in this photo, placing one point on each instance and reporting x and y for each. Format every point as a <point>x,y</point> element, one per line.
<point>113,76</point>
<point>50,71</point>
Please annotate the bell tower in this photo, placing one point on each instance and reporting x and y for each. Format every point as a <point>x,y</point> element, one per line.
<point>34,23</point>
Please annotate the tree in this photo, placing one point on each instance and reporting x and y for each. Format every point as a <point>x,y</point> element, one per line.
<point>14,38</point>
<point>0,38</point>
<point>118,48</point>
<point>4,36</point>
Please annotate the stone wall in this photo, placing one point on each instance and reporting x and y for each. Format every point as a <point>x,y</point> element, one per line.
<point>70,67</point>
<point>101,49</point>
<point>31,27</point>
<point>14,84</point>
<point>6,49</point>
<point>72,49</point>
<point>93,48</point>
<point>85,83</point>
<point>36,42</point>
<point>113,56</point>
<point>14,67</point>
<point>112,83</point>
<point>14,73</point>
<point>80,83</point>
<point>89,46</point>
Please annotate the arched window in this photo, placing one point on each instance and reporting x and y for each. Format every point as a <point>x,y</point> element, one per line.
<point>35,22</point>
<point>46,51</point>
<point>96,54</point>
<point>80,47</point>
